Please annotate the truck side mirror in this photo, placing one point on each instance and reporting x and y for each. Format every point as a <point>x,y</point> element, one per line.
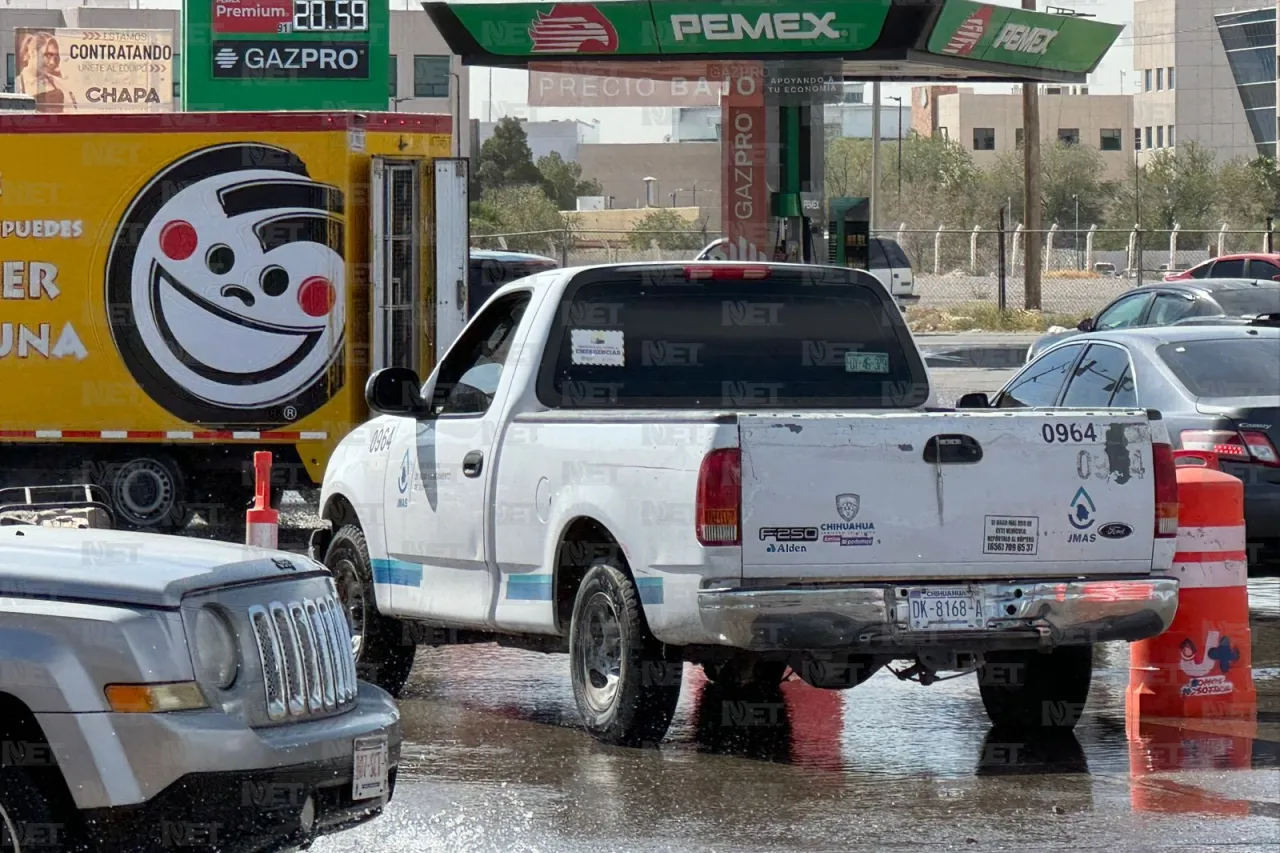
<point>975,400</point>
<point>394,391</point>
<point>1085,325</point>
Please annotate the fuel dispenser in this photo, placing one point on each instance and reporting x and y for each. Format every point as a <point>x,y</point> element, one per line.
<point>850,231</point>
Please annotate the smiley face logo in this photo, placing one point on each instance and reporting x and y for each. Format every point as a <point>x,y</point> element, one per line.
<point>226,287</point>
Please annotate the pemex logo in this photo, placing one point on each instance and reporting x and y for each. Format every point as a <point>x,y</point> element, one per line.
<point>573,28</point>
<point>969,33</point>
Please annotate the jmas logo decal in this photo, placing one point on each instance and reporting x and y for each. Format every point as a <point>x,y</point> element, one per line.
<point>573,28</point>
<point>968,34</point>
<point>225,287</point>
<point>778,26</point>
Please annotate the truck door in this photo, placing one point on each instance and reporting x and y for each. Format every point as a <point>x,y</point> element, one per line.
<point>395,217</point>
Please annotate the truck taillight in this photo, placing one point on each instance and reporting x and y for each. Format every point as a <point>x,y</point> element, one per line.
<point>728,272</point>
<point>719,498</point>
<point>1166,477</point>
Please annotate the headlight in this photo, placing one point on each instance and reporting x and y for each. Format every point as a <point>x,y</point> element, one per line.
<point>217,654</point>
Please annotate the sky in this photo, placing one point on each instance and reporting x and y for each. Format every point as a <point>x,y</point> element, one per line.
<point>618,124</point>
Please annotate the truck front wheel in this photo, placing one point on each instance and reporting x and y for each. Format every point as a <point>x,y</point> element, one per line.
<point>624,685</point>
<point>28,819</point>
<point>383,649</point>
<point>1033,690</point>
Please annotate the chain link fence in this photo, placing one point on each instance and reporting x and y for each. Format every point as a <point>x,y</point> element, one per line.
<point>1082,269</point>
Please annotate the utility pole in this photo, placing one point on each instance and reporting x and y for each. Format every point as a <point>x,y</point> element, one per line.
<point>875,156</point>
<point>899,100</point>
<point>1031,202</point>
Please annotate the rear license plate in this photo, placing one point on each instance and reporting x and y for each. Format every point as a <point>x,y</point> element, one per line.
<point>369,770</point>
<point>945,609</point>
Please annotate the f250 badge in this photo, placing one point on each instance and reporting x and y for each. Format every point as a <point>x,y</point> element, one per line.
<point>789,534</point>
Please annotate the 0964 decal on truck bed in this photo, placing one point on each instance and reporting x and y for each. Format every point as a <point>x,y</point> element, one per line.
<point>555,486</point>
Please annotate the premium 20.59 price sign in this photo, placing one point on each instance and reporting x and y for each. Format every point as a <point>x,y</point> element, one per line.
<point>286,55</point>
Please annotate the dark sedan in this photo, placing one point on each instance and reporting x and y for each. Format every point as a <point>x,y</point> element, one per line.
<point>1173,302</point>
<point>1216,385</point>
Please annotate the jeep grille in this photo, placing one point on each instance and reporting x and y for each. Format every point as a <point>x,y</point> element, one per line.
<point>305,649</point>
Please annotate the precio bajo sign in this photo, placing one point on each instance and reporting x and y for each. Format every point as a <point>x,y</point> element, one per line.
<point>286,54</point>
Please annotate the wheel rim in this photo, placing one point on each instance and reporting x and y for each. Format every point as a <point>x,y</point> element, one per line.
<point>351,593</point>
<point>599,653</point>
<point>145,492</point>
<point>9,840</point>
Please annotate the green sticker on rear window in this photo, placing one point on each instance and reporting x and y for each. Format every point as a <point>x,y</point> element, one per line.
<point>866,362</point>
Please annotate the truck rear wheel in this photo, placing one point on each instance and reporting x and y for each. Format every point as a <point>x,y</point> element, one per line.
<point>147,493</point>
<point>383,649</point>
<point>623,683</point>
<point>1032,690</point>
<point>28,819</point>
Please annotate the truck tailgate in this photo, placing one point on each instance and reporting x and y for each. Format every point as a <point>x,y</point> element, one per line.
<point>944,495</point>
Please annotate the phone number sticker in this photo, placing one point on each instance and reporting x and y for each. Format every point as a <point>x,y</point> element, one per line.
<point>1011,534</point>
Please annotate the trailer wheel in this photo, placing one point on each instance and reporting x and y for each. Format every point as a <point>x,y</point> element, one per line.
<point>147,493</point>
<point>1032,690</point>
<point>383,649</point>
<point>624,685</point>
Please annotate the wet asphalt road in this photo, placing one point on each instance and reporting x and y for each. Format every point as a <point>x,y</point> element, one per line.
<point>494,760</point>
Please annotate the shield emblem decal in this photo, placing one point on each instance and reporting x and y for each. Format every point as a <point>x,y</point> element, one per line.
<point>847,506</point>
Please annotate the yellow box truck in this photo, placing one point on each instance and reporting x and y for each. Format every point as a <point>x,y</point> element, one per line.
<point>178,291</point>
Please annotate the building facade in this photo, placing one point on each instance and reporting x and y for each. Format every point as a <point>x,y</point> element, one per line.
<point>851,118</point>
<point>988,125</point>
<point>545,137</point>
<point>424,76</point>
<point>1206,71</point>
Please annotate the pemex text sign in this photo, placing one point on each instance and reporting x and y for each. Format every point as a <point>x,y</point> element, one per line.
<point>991,33</point>
<point>673,27</point>
<point>286,54</point>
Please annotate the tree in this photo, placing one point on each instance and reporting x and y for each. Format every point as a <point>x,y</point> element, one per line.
<point>1068,173</point>
<point>562,181</point>
<point>1174,187</point>
<point>505,160</point>
<point>670,229</point>
<point>524,214</point>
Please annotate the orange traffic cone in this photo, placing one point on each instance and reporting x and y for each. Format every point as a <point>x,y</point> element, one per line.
<point>262,523</point>
<point>1159,750</point>
<point>1202,666</point>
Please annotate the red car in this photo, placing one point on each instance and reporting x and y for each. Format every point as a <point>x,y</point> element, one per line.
<point>1255,265</point>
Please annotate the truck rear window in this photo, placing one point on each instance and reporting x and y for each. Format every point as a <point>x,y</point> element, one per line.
<point>1237,367</point>
<point>730,345</point>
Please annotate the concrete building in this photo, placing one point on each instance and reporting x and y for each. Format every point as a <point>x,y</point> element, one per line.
<point>563,137</point>
<point>425,77</point>
<point>688,172</point>
<point>990,124</point>
<point>1206,71</point>
<point>851,118</point>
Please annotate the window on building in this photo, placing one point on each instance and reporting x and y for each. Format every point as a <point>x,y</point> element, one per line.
<point>431,76</point>
<point>1170,136</point>
<point>1159,79</point>
<point>393,77</point>
<point>1169,77</point>
<point>10,71</point>
<point>177,76</point>
<point>984,139</point>
<point>1137,139</point>
<point>1111,139</point>
<point>1017,137</point>
<point>1146,80</point>
<point>1249,39</point>
<point>1147,134</point>
<point>1069,135</point>
<point>1160,136</point>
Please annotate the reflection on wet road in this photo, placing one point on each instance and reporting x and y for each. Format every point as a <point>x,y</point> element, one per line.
<point>495,762</point>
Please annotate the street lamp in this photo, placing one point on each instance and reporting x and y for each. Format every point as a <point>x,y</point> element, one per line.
<point>1078,263</point>
<point>899,100</point>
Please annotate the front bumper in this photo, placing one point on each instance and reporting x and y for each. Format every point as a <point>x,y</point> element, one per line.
<point>874,618</point>
<point>112,760</point>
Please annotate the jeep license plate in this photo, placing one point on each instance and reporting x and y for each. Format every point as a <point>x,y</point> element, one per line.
<point>945,609</point>
<point>369,773</point>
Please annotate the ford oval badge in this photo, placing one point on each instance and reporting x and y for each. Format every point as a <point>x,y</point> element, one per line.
<point>1114,530</point>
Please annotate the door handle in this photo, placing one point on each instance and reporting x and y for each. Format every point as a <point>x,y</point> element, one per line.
<point>952,450</point>
<point>472,463</point>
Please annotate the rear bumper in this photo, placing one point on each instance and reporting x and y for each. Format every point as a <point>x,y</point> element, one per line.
<point>874,617</point>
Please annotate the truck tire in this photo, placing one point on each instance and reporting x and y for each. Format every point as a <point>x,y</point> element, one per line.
<point>147,493</point>
<point>384,650</point>
<point>623,683</point>
<point>1035,691</point>
<point>29,822</point>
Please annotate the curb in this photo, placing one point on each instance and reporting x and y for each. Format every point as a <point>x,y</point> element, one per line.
<point>989,356</point>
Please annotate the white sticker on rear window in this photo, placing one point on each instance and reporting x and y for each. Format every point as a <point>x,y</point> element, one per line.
<point>866,362</point>
<point>597,347</point>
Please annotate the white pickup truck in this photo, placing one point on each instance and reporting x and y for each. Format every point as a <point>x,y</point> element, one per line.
<point>735,465</point>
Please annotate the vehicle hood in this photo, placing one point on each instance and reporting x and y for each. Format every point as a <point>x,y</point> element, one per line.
<point>122,567</point>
